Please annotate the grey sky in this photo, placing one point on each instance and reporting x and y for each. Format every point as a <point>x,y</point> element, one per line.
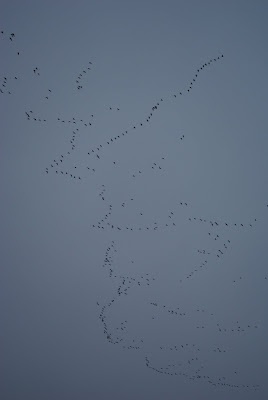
<point>110,287</point>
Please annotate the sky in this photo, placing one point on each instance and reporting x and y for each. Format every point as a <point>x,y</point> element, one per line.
<point>134,200</point>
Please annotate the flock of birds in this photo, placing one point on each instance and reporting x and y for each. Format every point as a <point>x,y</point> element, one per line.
<point>191,365</point>
<point>190,355</point>
<point>79,78</point>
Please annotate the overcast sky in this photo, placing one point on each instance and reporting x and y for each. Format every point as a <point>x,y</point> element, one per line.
<point>133,165</point>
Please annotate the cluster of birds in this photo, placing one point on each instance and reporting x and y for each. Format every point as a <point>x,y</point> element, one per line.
<point>50,91</point>
<point>4,85</point>
<point>172,370</point>
<point>218,231</point>
<point>30,116</point>
<point>36,71</point>
<point>122,286</point>
<point>190,366</point>
<point>101,194</point>
<point>236,327</point>
<point>73,120</point>
<point>106,223</point>
<point>80,76</point>
<point>155,166</point>
<point>118,109</point>
<point>97,149</point>
<point>11,36</point>
<point>171,221</point>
